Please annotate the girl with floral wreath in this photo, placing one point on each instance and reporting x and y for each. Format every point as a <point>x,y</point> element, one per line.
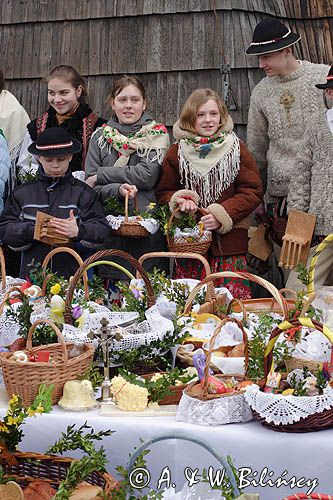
<point>210,167</point>
<point>125,156</point>
<point>67,96</point>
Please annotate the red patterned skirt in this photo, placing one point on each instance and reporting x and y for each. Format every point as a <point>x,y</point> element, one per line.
<point>240,289</point>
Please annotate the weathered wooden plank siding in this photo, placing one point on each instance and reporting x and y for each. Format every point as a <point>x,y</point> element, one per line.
<point>174,46</point>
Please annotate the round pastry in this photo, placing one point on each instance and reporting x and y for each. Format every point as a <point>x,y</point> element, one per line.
<point>11,491</point>
<point>77,394</point>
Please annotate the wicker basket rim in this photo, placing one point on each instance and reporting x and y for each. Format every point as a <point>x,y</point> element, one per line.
<point>6,358</point>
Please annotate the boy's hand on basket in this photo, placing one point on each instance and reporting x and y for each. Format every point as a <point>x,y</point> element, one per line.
<point>65,227</point>
<point>209,221</point>
<point>132,190</point>
<point>186,205</point>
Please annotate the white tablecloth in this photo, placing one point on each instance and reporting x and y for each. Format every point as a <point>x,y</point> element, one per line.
<point>302,455</point>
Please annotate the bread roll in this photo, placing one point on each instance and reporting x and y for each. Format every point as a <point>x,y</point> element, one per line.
<point>11,491</point>
<point>86,491</point>
<point>39,490</point>
<point>237,351</point>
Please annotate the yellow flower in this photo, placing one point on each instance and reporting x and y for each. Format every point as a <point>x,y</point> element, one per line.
<point>3,428</point>
<point>14,400</point>
<point>31,412</point>
<point>55,289</point>
<point>151,205</point>
<point>12,420</point>
<point>40,409</point>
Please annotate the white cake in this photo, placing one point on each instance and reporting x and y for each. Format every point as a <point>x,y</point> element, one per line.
<point>77,394</point>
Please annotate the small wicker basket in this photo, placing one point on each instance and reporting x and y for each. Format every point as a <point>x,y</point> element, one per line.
<point>24,379</point>
<point>200,245</point>
<point>130,229</point>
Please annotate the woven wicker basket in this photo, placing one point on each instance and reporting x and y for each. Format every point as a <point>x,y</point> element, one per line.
<point>201,245</point>
<point>26,467</point>
<point>24,379</point>
<point>97,258</point>
<point>212,306</point>
<point>130,229</point>
<point>176,391</point>
<point>315,422</point>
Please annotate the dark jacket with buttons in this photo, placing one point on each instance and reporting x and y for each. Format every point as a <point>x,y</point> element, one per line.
<point>55,197</point>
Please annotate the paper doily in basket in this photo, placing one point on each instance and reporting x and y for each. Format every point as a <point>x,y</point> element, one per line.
<point>224,410</point>
<point>287,409</point>
<point>151,225</point>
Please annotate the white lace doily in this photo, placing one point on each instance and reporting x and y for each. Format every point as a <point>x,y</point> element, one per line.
<point>10,282</point>
<point>191,234</point>
<point>151,225</point>
<point>9,329</point>
<point>224,410</point>
<point>79,174</point>
<point>135,335</point>
<point>287,409</point>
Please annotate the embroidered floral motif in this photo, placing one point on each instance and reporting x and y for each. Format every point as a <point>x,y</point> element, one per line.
<point>287,99</point>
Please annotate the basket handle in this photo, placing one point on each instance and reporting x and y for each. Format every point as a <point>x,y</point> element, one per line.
<point>136,206</point>
<point>211,348</point>
<point>55,329</point>
<point>285,325</point>
<point>6,297</point>
<point>177,435</point>
<point>100,256</point>
<point>242,275</point>
<point>78,259</point>
<point>283,290</point>
<point>314,259</point>
<point>240,304</point>
<point>182,255</point>
<point>3,269</point>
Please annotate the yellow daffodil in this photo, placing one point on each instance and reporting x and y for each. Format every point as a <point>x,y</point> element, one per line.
<point>40,409</point>
<point>151,205</point>
<point>3,428</point>
<point>14,400</point>
<point>55,289</point>
<point>31,412</point>
<point>12,420</point>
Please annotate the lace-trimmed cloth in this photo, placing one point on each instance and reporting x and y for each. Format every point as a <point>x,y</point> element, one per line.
<point>152,137</point>
<point>224,410</point>
<point>282,410</point>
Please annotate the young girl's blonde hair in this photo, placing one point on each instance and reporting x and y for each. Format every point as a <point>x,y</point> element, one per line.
<point>199,97</point>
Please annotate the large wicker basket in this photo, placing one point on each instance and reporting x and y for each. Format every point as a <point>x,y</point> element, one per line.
<point>211,306</point>
<point>313,422</point>
<point>96,259</point>
<point>200,245</point>
<point>24,379</point>
<point>26,467</point>
<point>130,229</point>
<point>198,406</point>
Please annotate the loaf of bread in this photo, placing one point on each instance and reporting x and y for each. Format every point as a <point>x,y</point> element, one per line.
<point>39,490</point>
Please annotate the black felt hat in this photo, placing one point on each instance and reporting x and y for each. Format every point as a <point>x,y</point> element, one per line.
<point>54,141</point>
<point>271,35</point>
<point>329,83</point>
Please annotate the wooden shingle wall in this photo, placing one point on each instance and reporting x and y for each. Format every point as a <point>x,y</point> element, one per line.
<point>174,46</point>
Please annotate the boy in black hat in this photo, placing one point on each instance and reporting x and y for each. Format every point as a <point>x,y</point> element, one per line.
<point>315,194</point>
<point>280,107</point>
<point>77,213</point>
